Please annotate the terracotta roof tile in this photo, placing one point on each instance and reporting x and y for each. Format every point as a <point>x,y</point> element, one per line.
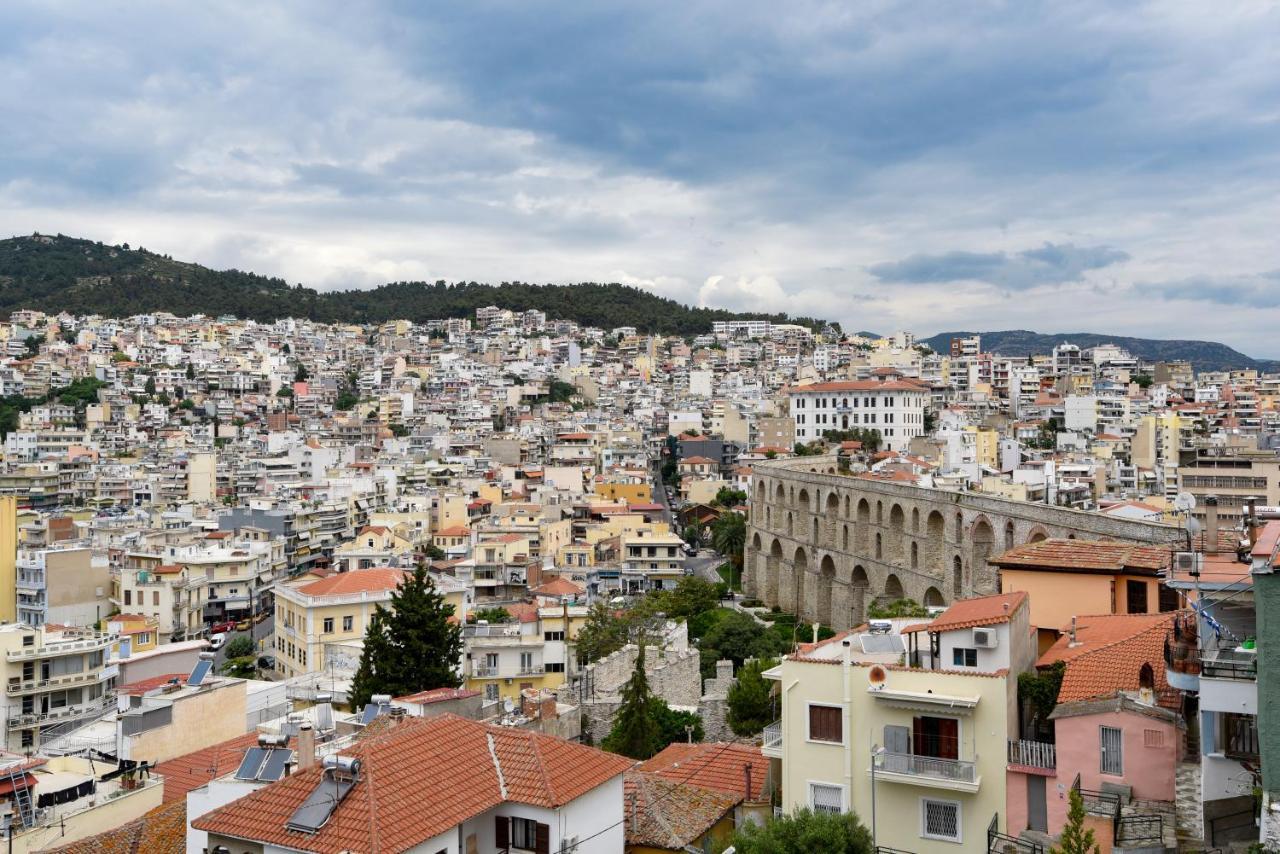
<point>670,815</point>
<point>373,580</point>
<point>1113,661</point>
<point>980,611</point>
<point>161,831</point>
<point>191,771</point>
<point>399,801</point>
<point>1086,556</point>
<point>712,765</point>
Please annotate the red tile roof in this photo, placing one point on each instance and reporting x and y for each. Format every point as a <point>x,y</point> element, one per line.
<point>1086,556</point>
<point>558,586</point>
<point>402,798</point>
<point>1110,654</point>
<point>438,695</point>
<point>712,765</point>
<point>161,831</point>
<point>981,611</point>
<point>374,580</point>
<point>670,815</point>
<point>142,686</point>
<point>184,773</point>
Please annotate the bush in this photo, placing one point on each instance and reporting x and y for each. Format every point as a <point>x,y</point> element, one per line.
<point>240,646</point>
<point>805,832</point>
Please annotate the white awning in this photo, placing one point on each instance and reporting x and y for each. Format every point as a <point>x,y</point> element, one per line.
<point>923,700</point>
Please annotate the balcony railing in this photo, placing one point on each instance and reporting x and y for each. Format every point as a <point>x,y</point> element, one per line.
<point>482,672</point>
<point>95,707</point>
<point>1033,754</point>
<point>27,686</point>
<point>957,770</point>
<point>63,647</point>
<point>773,736</point>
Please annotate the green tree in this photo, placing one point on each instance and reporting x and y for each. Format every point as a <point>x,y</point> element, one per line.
<point>737,637</point>
<point>729,536</point>
<point>240,646</point>
<point>750,699</point>
<point>410,646</point>
<point>301,374</point>
<point>1075,839</point>
<point>897,608</point>
<point>672,723</point>
<point>602,633</point>
<point>635,732</point>
<point>727,496</point>
<point>346,401</point>
<point>33,343</point>
<point>433,552</point>
<point>191,371</point>
<point>804,832</point>
<point>692,535</point>
<point>150,386</point>
<point>691,596</point>
<point>493,615</point>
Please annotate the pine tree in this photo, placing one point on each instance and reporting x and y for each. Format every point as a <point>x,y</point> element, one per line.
<point>410,646</point>
<point>750,704</point>
<point>1075,839</point>
<point>636,732</point>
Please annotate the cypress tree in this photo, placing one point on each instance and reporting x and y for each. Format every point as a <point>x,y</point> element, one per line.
<point>1075,839</point>
<point>636,732</point>
<point>410,646</point>
<point>750,705</point>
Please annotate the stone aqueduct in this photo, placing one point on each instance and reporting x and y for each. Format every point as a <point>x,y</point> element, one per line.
<point>827,545</point>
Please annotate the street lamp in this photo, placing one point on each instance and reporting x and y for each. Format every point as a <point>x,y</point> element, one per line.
<point>876,752</point>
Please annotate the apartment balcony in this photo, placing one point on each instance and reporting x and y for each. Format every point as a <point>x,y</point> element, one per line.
<point>94,708</point>
<point>18,686</point>
<point>1034,756</point>
<point>772,743</point>
<point>55,648</point>
<point>959,775</point>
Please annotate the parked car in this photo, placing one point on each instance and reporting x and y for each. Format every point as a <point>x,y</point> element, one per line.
<point>266,662</point>
<point>260,616</point>
<point>217,640</point>
<point>243,625</point>
<point>222,627</point>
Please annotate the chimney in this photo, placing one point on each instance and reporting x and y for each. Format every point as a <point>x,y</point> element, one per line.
<point>1211,524</point>
<point>549,711</point>
<point>746,780</point>
<point>306,747</point>
<point>1072,642</point>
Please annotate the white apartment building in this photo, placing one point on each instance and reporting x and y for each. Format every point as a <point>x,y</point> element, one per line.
<point>888,404</point>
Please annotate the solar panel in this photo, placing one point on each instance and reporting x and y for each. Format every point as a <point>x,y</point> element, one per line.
<point>251,764</point>
<point>273,768</point>
<point>320,804</point>
<point>203,666</point>
<point>882,643</point>
<point>370,712</point>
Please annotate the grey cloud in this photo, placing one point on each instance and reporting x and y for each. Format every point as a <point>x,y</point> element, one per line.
<point>1052,263</point>
<point>1255,290</point>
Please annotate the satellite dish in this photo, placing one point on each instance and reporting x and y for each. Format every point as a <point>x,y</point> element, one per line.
<point>1193,525</point>
<point>876,676</point>
<point>508,705</point>
<point>1185,502</point>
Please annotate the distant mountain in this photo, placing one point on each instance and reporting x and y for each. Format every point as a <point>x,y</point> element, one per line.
<point>58,273</point>
<point>1204,355</point>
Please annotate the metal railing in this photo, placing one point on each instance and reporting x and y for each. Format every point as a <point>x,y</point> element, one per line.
<point>1033,754</point>
<point>1002,843</point>
<point>1229,664</point>
<point>964,771</point>
<point>1139,829</point>
<point>773,736</point>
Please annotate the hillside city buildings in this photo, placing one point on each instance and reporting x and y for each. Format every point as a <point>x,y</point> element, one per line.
<point>1012,576</point>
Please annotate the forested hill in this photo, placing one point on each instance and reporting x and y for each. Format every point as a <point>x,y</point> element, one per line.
<point>58,273</point>
<point>1204,355</point>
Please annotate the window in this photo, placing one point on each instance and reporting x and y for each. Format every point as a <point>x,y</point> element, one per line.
<point>825,724</point>
<point>936,737</point>
<point>526,662</point>
<point>1239,736</point>
<point>555,667</point>
<point>155,598</point>
<point>524,833</point>
<point>1168,599</point>
<point>1152,738</point>
<point>328,625</point>
<point>1136,593</point>
<point>128,597</point>
<point>962,657</point>
<point>940,820</point>
<point>491,692</point>
<point>348,622</point>
<point>1111,748</point>
<point>824,797</point>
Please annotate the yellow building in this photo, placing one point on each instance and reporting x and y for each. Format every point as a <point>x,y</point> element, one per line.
<point>532,651</point>
<point>337,610</point>
<point>629,493</point>
<point>8,558</point>
<point>939,731</point>
<point>53,677</point>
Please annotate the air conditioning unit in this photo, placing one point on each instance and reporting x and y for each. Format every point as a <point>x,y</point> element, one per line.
<point>985,638</point>
<point>1188,563</point>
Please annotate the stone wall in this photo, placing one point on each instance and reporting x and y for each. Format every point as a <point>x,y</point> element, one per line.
<point>714,705</point>
<point>674,675</point>
<point>827,545</point>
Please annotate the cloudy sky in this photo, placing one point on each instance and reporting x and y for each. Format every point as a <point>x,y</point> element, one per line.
<point>1057,166</point>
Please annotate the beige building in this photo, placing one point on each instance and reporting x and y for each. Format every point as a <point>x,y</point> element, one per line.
<point>651,560</point>
<point>65,584</point>
<point>53,677</point>
<point>1234,475</point>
